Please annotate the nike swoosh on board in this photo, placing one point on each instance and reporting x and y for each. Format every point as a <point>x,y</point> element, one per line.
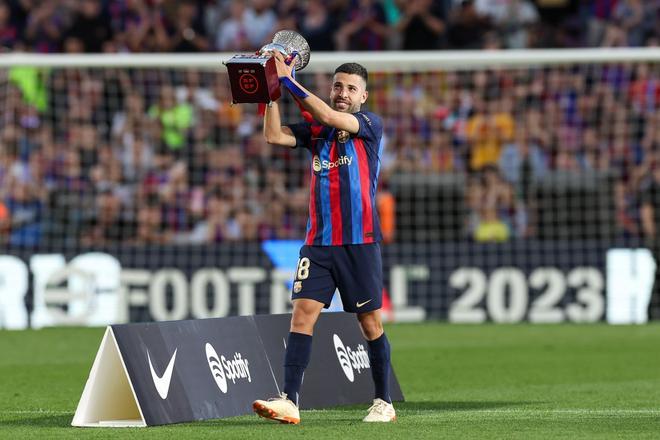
<point>162,383</point>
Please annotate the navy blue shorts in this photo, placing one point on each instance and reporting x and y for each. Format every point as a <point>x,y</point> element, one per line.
<point>355,269</point>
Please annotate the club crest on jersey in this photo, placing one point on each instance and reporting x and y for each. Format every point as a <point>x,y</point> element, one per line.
<point>297,286</point>
<point>342,136</point>
<point>316,164</point>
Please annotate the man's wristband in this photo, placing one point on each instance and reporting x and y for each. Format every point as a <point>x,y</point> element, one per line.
<point>293,87</point>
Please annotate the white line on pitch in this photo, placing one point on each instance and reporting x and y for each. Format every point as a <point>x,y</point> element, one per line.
<point>536,411</point>
<point>36,411</point>
<point>522,411</point>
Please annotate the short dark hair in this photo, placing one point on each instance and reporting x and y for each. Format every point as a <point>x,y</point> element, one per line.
<point>354,69</point>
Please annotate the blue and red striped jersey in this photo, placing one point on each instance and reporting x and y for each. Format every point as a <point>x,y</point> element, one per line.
<point>345,167</point>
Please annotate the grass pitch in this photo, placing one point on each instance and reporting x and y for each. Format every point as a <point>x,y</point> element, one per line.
<point>486,381</point>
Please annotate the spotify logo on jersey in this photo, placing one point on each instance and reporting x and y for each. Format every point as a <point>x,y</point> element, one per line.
<point>318,164</point>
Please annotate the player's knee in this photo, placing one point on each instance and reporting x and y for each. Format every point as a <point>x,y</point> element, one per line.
<point>372,332</point>
<point>372,327</point>
<point>304,317</point>
<point>301,323</point>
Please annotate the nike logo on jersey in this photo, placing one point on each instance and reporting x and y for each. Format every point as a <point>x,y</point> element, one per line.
<point>360,304</point>
<point>162,383</point>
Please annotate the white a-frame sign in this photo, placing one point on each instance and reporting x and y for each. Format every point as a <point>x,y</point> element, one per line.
<point>108,398</point>
<point>159,373</point>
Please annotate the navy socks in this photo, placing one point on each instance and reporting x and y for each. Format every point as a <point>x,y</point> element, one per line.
<point>298,352</point>
<point>379,357</point>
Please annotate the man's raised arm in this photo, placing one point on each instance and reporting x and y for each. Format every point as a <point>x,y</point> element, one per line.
<point>274,132</point>
<point>320,111</point>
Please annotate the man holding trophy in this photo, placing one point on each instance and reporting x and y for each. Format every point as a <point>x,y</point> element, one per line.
<point>341,249</point>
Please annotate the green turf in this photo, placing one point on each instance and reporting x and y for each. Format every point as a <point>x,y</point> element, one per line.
<point>487,381</point>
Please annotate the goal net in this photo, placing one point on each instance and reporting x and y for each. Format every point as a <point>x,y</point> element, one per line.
<point>131,189</point>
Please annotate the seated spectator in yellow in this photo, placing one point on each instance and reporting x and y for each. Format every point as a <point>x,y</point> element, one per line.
<point>488,129</point>
<point>491,230</point>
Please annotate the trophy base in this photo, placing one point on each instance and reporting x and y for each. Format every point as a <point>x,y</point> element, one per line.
<point>253,79</point>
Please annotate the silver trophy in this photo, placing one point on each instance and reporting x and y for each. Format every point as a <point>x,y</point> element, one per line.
<point>289,43</point>
<point>253,77</point>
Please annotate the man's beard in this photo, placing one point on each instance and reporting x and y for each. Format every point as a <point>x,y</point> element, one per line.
<point>350,108</point>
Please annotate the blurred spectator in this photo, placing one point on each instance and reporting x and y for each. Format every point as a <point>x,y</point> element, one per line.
<point>442,157</point>
<point>25,211</point>
<point>422,25</point>
<point>185,29</point>
<point>625,25</point>
<point>467,27</point>
<point>217,218</point>
<point>364,27</point>
<point>32,83</point>
<point>46,25</point>
<point>521,158</point>
<point>487,130</point>
<point>91,26</point>
<point>136,157</point>
<point>150,222</point>
<point>137,26</point>
<point>5,223</point>
<point>386,203</point>
<point>84,138</point>
<point>593,152</point>
<point>193,91</point>
<point>174,118</point>
<point>274,223</point>
<point>513,20</point>
<point>232,33</point>
<point>9,31</point>
<point>107,226</point>
<point>491,200</point>
<point>644,91</point>
<point>260,20</point>
<point>71,203</point>
<point>317,26</point>
<point>288,12</point>
<point>246,226</point>
<point>175,203</point>
<point>593,16</point>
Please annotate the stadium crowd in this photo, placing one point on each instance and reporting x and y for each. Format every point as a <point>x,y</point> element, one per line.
<point>238,25</point>
<point>100,156</point>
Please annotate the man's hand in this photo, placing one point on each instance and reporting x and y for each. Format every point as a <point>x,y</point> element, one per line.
<point>283,70</point>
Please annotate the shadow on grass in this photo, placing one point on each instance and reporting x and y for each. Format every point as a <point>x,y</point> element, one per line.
<point>340,414</point>
<point>44,421</point>
<point>354,413</point>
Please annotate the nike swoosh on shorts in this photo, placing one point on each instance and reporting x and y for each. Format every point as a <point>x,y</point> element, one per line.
<point>359,304</point>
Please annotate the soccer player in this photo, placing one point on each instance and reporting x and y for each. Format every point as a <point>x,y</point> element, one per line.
<point>341,248</point>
